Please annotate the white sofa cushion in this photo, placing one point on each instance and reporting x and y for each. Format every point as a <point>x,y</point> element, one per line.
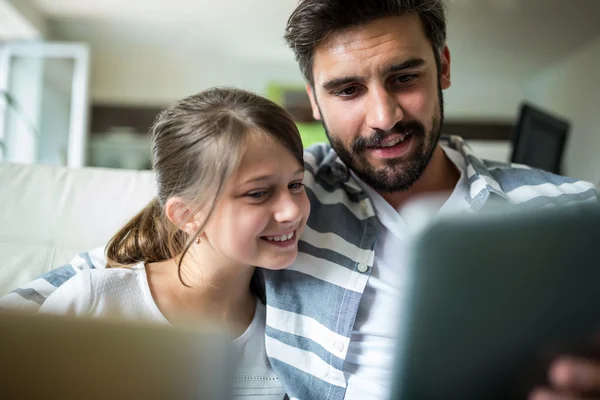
<point>50,214</point>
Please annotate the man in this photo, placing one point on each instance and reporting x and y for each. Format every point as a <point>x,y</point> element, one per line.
<point>375,72</point>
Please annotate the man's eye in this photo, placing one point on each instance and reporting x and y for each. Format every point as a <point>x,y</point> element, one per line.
<point>405,78</point>
<point>346,92</point>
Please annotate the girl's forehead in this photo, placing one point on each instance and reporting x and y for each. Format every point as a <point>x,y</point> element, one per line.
<point>265,155</point>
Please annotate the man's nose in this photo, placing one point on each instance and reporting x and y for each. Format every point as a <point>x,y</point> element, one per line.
<point>383,110</point>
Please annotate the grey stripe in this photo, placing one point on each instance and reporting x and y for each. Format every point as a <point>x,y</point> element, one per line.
<point>496,164</point>
<point>301,385</point>
<point>303,343</point>
<point>330,305</point>
<point>477,165</point>
<point>325,217</point>
<point>329,182</point>
<point>58,276</point>
<point>318,150</point>
<point>327,254</point>
<point>30,294</point>
<point>308,168</point>
<point>86,256</point>
<point>510,179</point>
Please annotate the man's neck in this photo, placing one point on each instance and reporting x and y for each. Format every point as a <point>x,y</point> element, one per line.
<point>440,176</point>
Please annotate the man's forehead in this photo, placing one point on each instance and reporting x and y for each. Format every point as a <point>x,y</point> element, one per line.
<point>379,44</point>
<point>406,29</point>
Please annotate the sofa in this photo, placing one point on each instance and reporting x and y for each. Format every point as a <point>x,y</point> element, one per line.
<point>50,214</point>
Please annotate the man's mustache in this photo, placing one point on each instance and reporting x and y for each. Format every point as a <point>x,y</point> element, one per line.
<point>414,128</point>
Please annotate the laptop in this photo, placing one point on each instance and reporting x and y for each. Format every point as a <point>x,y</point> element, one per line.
<point>56,357</point>
<point>494,299</point>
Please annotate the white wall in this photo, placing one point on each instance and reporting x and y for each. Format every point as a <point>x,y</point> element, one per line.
<point>159,74</point>
<point>156,75</point>
<point>483,98</point>
<point>571,88</point>
<point>30,22</point>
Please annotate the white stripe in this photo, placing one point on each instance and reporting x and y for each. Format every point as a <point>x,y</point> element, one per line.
<point>79,263</point>
<point>42,286</point>
<point>304,361</point>
<point>338,196</point>
<point>330,272</point>
<point>491,182</point>
<point>509,166</point>
<point>333,242</point>
<point>525,193</point>
<point>478,185</point>
<point>311,160</point>
<point>98,258</point>
<point>13,301</point>
<point>310,328</point>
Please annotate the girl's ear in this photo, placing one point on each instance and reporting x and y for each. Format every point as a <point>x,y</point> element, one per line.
<point>182,216</point>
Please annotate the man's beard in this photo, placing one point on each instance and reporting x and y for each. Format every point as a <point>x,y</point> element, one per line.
<point>398,174</point>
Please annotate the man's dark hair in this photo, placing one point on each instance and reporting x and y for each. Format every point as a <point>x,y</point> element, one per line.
<point>314,20</point>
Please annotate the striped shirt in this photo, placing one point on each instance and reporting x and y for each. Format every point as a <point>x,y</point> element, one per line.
<point>311,306</point>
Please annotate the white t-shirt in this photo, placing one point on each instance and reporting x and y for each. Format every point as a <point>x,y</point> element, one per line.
<point>125,293</point>
<point>369,363</point>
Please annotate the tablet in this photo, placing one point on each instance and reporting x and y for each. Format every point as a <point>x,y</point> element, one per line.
<point>494,298</point>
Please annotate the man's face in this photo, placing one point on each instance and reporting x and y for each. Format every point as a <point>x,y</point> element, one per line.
<point>378,92</point>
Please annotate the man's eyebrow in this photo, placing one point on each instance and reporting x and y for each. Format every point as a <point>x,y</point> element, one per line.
<point>337,82</point>
<point>408,64</point>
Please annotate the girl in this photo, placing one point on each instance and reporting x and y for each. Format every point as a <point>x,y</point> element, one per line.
<point>229,170</point>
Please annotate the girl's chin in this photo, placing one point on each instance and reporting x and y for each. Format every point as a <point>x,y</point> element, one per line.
<point>279,263</point>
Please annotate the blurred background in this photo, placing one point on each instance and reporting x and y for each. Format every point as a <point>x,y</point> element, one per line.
<point>82,80</point>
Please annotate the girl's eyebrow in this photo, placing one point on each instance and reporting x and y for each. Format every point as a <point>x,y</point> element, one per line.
<point>266,177</point>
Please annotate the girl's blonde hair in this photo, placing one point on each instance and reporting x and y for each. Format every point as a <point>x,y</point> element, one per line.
<point>197,144</point>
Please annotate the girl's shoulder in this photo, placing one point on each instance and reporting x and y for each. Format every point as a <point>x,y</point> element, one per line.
<point>112,292</point>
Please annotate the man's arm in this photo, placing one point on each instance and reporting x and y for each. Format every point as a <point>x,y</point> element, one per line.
<point>32,295</point>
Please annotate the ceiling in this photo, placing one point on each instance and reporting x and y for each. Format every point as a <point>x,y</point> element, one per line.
<point>524,34</point>
<point>497,46</point>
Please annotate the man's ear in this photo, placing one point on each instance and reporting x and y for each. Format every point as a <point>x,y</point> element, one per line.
<point>182,216</point>
<point>445,81</point>
<point>313,102</point>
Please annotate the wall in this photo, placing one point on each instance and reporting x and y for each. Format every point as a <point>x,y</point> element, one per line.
<point>156,75</point>
<point>480,96</point>
<point>34,25</point>
<point>571,88</point>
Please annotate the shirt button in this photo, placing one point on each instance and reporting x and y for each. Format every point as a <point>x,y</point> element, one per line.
<point>338,346</point>
<point>363,267</point>
<point>363,205</point>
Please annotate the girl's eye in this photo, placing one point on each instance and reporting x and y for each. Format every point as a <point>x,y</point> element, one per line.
<point>256,195</point>
<point>296,186</point>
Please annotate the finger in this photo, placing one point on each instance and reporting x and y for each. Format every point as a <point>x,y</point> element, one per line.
<point>547,394</point>
<point>575,375</point>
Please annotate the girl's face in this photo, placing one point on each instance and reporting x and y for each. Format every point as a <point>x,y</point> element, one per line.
<point>263,209</point>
